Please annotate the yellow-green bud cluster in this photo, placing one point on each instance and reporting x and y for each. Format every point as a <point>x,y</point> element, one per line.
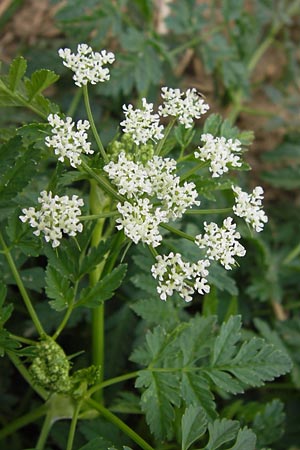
<point>50,368</point>
<point>141,153</point>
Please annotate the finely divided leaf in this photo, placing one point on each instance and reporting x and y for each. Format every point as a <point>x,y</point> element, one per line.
<point>193,424</point>
<point>17,167</point>
<point>268,424</point>
<point>58,288</point>
<point>95,256</point>
<point>220,432</point>
<point>16,72</point>
<point>225,343</point>
<point>246,440</point>
<point>258,362</point>
<point>158,401</point>
<point>92,297</point>
<point>39,81</point>
<point>195,389</point>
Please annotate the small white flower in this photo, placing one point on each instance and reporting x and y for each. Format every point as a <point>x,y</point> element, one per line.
<point>131,178</point>
<point>57,215</point>
<point>186,106</point>
<point>66,142</point>
<point>249,206</point>
<point>141,124</point>
<point>221,243</point>
<point>86,64</point>
<point>140,221</point>
<point>175,275</point>
<point>220,152</point>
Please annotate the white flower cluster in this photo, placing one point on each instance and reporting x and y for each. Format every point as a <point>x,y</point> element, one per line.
<point>173,274</point>
<point>220,152</point>
<point>156,180</point>
<point>249,206</point>
<point>86,64</point>
<point>142,124</point>
<point>186,106</point>
<point>57,215</point>
<point>221,243</point>
<point>66,142</point>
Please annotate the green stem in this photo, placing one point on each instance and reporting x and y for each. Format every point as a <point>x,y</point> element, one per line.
<point>292,255</point>
<point>26,375</point>
<point>22,339</point>
<point>161,143</point>
<point>92,123</point>
<point>177,232</point>
<point>208,211</point>
<point>74,104</point>
<point>103,183</point>
<point>120,424</point>
<point>97,205</point>
<point>100,216</point>
<point>21,287</point>
<point>111,381</point>
<point>21,422</point>
<point>73,427</point>
<point>48,422</point>
<point>22,101</point>
<point>64,321</point>
<point>193,170</point>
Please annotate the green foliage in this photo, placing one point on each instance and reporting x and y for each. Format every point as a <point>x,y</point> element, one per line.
<point>92,297</point>
<point>18,90</point>
<point>188,360</point>
<point>194,358</point>
<point>193,424</point>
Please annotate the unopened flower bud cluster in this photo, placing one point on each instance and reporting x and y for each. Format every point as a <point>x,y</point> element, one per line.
<point>50,368</point>
<point>66,142</point>
<point>57,215</point>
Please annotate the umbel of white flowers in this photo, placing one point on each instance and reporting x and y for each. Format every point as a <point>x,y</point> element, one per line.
<point>152,191</point>
<point>56,216</point>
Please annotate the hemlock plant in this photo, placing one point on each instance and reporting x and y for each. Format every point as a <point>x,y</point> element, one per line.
<point>86,216</point>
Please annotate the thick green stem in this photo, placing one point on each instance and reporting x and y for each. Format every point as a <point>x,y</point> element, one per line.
<point>97,206</point>
<point>120,424</point>
<point>73,427</point>
<point>92,123</point>
<point>48,422</point>
<point>21,422</point>
<point>21,287</point>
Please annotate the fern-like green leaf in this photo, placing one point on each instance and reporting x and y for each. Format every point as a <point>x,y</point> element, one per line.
<point>16,72</point>
<point>92,297</point>
<point>58,288</point>
<point>193,425</point>
<point>160,396</point>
